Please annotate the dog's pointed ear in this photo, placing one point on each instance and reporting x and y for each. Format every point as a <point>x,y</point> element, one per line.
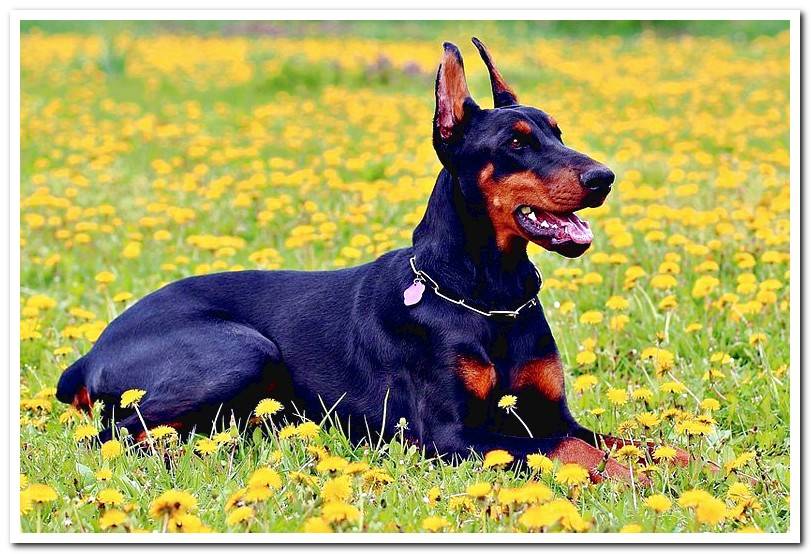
<point>453,100</point>
<point>503,95</point>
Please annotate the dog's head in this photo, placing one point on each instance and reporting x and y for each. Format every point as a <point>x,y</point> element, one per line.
<point>512,164</point>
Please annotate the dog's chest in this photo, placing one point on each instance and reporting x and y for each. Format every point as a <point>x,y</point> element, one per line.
<point>481,378</point>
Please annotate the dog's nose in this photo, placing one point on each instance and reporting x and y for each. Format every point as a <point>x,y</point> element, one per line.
<point>598,179</point>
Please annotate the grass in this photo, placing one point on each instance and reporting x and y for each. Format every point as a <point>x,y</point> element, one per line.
<point>152,152</point>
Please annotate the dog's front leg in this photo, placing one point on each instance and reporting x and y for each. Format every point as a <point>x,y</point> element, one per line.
<point>682,458</point>
<point>567,449</point>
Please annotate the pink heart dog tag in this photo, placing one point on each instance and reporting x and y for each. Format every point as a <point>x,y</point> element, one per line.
<point>413,294</point>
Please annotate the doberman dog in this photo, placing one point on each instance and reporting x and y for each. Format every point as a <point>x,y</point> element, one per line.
<point>436,333</point>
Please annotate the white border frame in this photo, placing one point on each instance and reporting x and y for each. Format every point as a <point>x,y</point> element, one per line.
<point>17,536</point>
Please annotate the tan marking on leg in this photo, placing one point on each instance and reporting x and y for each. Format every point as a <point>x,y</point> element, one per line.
<point>544,375</point>
<point>575,451</point>
<point>478,377</point>
<point>81,400</point>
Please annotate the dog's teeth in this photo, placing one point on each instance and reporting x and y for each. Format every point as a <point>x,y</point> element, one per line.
<point>532,216</point>
<point>525,210</point>
<point>544,224</point>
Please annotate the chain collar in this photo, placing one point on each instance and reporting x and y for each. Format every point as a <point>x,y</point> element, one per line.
<point>422,277</point>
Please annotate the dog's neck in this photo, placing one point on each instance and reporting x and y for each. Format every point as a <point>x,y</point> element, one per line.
<point>456,245</point>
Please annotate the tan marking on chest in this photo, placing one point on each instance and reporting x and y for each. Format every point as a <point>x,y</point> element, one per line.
<point>545,375</point>
<point>478,377</point>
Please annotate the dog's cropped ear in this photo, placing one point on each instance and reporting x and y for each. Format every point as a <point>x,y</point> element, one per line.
<point>453,100</point>
<point>503,95</point>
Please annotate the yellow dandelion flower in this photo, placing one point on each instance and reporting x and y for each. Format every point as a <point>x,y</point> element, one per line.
<point>84,432</point>
<point>664,453</point>
<point>572,475</point>
<point>539,517</point>
<point>335,512</point>
<point>268,407</point>
<point>316,525</point>
<point>659,503</point>
<point>337,489</point>
<point>539,462</point>
<point>308,430</point>
<point>617,397</point>
<point>105,277</point>
<point>122,297</point>
<point>693,327</point>
<point>172,502</point>
<point>507,401</point>
<point>236,499</point>
<point>631,528</point>
<point>739,462</point>
<point>648,419</point>
<point>434,523</point>
<point>591,317</point>
<point>586,358</point>
<point>265,477</point>
<point>533,493</point>
<point>104,474</point>
<point>356,467</point>
<point>239,515</point>
<point>206,447</point>
<point>331,464</point>
<point>478,490</point>
<point>711,511</point>
<point>110,497</point>
<point>673,387</point>
<point>111,449</point>
<point>629,454</point>
<point>26,504</point>
<point>496,458</point>
<point>693,497</point>
<point>164,433</point>
<point>112,518</point>
<point>617,303</point>
<point>642,393</point>
<point>39,493</point>
<point>131,398</point>
<point>184,522</point>
<point>710,404</point>
<point>739,492</point>
<point>584,383</point>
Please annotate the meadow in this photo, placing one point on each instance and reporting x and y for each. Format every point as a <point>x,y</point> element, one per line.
<point>154,152</point>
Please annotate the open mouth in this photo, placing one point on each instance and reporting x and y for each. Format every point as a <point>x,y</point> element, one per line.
<point>564,233</point>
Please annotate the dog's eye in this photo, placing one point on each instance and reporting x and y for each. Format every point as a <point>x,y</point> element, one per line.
<point>518,141</point>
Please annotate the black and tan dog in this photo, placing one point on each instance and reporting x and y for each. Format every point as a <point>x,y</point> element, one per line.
<point>436,333</point>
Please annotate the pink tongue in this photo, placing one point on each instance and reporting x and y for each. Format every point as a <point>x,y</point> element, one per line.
<point>575,229</point>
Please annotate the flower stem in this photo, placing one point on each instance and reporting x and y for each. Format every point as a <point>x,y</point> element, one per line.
<point>513,412</point>
<point>148,436</point>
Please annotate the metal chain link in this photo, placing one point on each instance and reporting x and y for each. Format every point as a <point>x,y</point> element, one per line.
<point>421,275</point>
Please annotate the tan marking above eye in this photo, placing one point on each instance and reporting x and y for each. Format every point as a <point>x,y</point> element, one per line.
<point>552,121</point>
<point>522,127</point>
<point>544,375</point>
<point>478,377</point>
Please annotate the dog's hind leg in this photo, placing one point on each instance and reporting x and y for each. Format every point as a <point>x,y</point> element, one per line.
<point>231,367</point>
